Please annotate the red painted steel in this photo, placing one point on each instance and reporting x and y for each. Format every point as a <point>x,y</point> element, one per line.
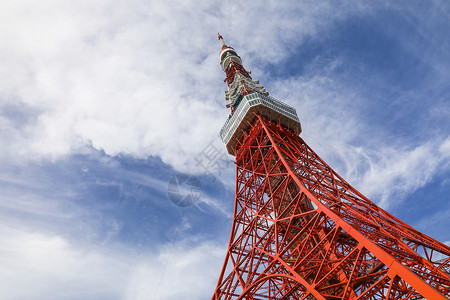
<point>300,231</point>
<point>231,72</point>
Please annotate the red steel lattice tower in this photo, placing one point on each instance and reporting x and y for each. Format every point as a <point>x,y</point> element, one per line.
<point>300,231</point>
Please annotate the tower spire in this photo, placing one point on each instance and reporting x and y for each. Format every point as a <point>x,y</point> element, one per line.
<point>222,43</point>
<point>238,79</point>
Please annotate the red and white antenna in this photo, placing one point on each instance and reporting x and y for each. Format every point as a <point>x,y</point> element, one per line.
<point>221,40</point>
<point>238,79</point>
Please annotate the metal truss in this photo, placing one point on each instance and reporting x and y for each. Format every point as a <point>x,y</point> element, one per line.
<point>302,232</point>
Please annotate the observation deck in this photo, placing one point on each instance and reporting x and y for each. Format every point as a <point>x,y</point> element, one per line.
<point>245,114</point>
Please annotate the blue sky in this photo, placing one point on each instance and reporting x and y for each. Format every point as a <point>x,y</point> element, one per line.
<point>102,103</point>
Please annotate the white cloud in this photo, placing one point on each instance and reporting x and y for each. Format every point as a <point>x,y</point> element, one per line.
<point>38,266</point>
<point>395,173</point>
<point>122,82</point>
<point>42,266</point>
<point>134,78</point>
<point>178,272</point>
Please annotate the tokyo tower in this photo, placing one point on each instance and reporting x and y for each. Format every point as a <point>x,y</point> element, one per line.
<point>300,231</point>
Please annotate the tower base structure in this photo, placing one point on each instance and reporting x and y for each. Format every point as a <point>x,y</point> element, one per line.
<point>302,232</point>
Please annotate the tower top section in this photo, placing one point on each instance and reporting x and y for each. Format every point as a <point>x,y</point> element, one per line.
<point>228,55</point>
<point>247,98</point>
<point>238,79</point>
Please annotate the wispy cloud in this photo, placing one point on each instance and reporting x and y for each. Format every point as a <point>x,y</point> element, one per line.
<point>177,272</point>
<point>396,173</point>
<point>51,267</point>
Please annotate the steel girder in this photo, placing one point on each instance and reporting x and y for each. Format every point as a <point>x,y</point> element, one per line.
<point>302,232</point>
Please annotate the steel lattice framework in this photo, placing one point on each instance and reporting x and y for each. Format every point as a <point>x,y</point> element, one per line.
<point>300,231</point>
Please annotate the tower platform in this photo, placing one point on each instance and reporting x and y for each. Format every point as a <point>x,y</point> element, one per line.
<point>257,104</point>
